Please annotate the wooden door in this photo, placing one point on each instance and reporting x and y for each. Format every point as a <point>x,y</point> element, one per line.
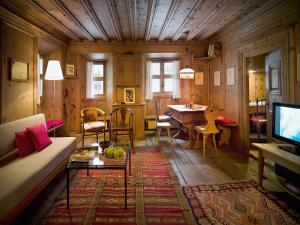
<point>127,71</point>
<point>274,85</point>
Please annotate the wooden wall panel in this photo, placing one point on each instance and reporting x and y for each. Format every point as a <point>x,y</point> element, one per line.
<point>18,97</point>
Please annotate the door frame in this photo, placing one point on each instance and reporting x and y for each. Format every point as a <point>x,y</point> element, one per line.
<point>250,50</point>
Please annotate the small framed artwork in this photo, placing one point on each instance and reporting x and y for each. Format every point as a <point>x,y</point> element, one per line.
<point>199,78</point>
<point>129,95</point>
<point>70,70</point>
<point>274,78</point>
<point>217,78</point>
<point>230,76</point>
<point>19,70</point>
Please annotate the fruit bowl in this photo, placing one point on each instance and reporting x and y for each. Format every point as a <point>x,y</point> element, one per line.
<point>104,144</point>
<point>114,152</point>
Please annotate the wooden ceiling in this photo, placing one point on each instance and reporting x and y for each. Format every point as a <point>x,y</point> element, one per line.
<point>133,20</point>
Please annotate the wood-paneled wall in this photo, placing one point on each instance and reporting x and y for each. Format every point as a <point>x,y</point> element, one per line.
<point>261,32</point>
<point>17,97</point>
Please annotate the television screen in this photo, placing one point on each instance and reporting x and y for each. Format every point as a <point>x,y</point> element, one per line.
<point>286,122</point>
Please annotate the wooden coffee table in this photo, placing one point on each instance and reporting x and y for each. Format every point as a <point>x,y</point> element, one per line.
<point>97,160</point>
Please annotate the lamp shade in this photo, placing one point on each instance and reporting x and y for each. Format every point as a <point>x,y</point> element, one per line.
<point>53,71</point>
<point>186,73</point>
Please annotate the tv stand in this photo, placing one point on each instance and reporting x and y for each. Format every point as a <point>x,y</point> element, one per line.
<point>275,153</point>
<point>289,148</point>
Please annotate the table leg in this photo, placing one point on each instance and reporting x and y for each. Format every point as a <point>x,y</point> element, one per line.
<point>125,175</point>
<point>68,194</point>
<point>180,134</point>
<point>261,168</point>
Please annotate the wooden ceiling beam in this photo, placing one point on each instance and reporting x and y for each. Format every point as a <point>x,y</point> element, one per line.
<point>116,24</point>
<point>61,27</point>
<point>173,9</point>
<point>213,14</point>
<point>62,7</point>
<point>91,12</point>
<point>132,11</point>
<point>22,24</point>
<point>150,16</point>
<point>187,19</point>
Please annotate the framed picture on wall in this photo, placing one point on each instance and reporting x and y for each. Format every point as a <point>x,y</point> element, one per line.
<point>19,70</point>
<point>217,78</point>
<point>70,70</point>
<point>129,95</point>
<point>230,76</point>
<point>199,78</point>
<point>274,78</point>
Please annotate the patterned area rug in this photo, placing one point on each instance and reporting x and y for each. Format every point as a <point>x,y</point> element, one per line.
<point>237,203</point>
<point>154,195</point>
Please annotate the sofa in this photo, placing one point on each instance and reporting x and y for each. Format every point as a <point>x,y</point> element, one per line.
<point>22,179</point>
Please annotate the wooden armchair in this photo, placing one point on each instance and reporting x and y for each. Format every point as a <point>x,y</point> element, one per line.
<point>92,121</point>
<point>121,123</point>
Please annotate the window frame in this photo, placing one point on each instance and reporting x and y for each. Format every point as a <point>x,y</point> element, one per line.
<point>162,76</point>
<point>100,62</point>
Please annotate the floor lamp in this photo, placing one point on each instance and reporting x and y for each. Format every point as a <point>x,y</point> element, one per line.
<point>54,72</point>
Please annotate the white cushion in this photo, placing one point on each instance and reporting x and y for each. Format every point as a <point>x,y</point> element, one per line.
<point>7,131</point>
<point>164,117</point>
<point>93,125</point>
<point>163,124</point>
<point>22,175</point>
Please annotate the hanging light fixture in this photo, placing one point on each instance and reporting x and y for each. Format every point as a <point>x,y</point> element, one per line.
<point>186,72</point>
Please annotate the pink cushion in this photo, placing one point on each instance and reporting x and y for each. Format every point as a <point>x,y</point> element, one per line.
<point>51,123</point>
<point>39,136</point>
<point>24,143</point>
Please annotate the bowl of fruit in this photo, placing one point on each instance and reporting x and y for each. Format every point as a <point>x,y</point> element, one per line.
<point>104,144</point>
<point>114,152</point>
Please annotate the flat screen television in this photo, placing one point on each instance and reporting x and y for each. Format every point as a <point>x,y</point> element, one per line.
<point>286,125</point>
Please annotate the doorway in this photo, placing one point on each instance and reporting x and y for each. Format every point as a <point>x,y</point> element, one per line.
<point>257,98</point>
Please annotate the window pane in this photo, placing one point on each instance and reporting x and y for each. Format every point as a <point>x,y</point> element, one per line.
<point>98,70</point>
<point>98,87</point>
<point>155,68</point>
<point>169,84</point>
<point>155,85</point>
<point>168,68</point>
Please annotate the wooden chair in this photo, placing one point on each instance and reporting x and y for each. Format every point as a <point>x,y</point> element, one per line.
<point>210,128</point>
<point>92,121</point>
<point>161,117</point>
<point>121,123</point>
<point>162,123</point>
<point>259,117</point>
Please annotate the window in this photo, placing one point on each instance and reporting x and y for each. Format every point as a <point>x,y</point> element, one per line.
<point>40,72</point>
<point>162,72</point>
<point>98,78</point>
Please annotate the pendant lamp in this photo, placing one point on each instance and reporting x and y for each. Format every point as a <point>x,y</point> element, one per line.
<point>186,72</point>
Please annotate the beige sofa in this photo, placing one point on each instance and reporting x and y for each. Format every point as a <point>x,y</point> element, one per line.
<point>22,179</point>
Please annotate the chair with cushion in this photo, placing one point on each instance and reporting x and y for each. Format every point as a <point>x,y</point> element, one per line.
<point>121,123</point>
<point>92,121</point>
<point>211,114</point>
<point>259,116</point>
<point>162,122</point>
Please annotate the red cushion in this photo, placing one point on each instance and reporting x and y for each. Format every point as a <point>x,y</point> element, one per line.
<point>39,137</point>
<point>51,123</point>
<point>226,121</point>
<point>24,143</point>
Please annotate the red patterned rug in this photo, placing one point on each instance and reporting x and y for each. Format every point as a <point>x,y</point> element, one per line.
<point>154,195</point>
<point>236,203</point>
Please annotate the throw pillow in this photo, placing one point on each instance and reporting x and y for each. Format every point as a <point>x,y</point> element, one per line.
<point>39,137</point>
<point>24,143</point>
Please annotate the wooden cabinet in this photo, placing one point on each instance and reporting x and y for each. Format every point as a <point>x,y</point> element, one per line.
<point>138,118</point>
<point>128,72</point>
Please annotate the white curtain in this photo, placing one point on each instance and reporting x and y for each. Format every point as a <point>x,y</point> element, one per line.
<point>89,80</point>
<point>148,88</point>
<point>176,81</point>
